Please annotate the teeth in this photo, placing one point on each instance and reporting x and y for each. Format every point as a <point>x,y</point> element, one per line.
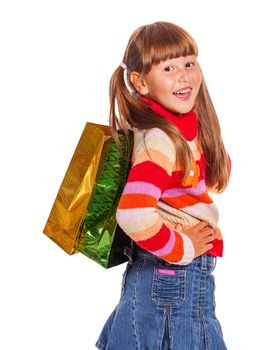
<point>182,92</point>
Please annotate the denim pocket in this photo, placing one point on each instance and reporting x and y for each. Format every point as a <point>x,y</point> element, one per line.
<point>168,285</point>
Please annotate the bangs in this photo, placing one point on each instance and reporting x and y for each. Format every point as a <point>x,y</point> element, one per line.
<point>162,41</point>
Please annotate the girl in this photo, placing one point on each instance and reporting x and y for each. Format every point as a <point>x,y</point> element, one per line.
<point>167,295</point>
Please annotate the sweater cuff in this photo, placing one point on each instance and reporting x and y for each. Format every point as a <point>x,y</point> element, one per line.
<point>188,250</point>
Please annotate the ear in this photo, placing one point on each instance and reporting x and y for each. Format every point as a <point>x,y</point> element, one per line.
<point>138,82</point>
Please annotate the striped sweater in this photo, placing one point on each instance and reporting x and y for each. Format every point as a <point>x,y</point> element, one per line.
<point>155,199</point>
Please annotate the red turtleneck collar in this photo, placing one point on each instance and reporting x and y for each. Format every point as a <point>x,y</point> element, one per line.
<point>187,123</point>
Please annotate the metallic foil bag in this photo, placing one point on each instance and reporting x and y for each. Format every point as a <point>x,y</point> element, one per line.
<point>83,214</point>
<point>66,217</point>
<point>101,238</point>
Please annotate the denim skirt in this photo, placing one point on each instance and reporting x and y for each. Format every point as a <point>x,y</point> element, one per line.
<point>164,306</point>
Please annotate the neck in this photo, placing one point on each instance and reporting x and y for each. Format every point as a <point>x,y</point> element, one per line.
<point>187,123</point>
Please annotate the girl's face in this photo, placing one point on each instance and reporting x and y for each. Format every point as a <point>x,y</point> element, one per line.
<point>173,83</point>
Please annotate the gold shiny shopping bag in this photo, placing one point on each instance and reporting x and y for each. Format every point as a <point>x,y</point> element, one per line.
<point>83,216</point>
<point>66,217</point>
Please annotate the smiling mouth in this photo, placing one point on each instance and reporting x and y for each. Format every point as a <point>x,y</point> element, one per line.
<point>183,94</point>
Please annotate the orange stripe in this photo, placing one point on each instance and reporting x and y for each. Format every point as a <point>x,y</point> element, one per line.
<point>158,158</point>
<point>177,252</point>
<point>205,198</point>
<point>188,200</point>
<point>136,200</point>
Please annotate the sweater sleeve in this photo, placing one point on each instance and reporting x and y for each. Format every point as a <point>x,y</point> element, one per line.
<point>150,174</point>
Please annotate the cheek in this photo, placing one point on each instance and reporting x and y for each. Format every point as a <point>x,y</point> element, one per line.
<point>164,84</point>
<point>160,87</point>
<point>198,78</point>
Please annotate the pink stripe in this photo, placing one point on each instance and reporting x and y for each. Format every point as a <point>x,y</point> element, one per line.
<point>167,272</point>
<point>176,192</point>
<point>142,187</point>
<point>168,246</point>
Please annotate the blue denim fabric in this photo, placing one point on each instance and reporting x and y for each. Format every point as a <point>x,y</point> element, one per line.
<point>164,306</point>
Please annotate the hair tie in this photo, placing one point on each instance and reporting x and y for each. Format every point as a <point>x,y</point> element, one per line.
<point>128,85</point>
<point>123,65</point>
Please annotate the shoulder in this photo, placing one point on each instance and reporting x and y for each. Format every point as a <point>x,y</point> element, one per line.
<point>153,135</point>
<point>154,144</point>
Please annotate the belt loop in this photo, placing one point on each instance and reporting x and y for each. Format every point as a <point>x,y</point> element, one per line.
<point>204,262</point>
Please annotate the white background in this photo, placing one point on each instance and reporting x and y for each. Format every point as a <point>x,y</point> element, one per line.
<point>55,63</point>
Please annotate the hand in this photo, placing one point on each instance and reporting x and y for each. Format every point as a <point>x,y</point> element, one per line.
<point>201,235</point>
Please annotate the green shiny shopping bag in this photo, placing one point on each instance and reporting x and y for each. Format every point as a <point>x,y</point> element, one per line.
<point>102,240</point>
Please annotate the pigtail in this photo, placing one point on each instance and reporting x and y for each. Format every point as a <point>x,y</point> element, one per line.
<point>209,135</point>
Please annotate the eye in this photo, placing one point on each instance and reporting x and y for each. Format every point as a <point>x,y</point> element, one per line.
<point>168,69</point>
<point>189,64</point>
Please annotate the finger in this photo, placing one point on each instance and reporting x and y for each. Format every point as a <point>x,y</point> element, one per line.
<point>200,226</point>
<point>203,250</point>
<point>178,227</point>
<point>208,239</point>
<point>206,232</point>
<point>207,247</point>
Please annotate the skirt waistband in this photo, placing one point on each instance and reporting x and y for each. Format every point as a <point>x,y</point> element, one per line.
<point>134,250</point>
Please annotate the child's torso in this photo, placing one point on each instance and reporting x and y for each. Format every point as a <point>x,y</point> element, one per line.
<point>184,202</point>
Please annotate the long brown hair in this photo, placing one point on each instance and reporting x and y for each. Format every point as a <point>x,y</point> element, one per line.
<point>150,45</point>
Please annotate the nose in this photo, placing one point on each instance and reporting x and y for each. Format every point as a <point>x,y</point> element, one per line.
<point>183,75</point>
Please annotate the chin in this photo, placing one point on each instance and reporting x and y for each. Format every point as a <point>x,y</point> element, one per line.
<point>184,109</point>
<point>180,109</point>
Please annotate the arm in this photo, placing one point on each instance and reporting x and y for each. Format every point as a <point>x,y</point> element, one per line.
<point>149,177</point>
